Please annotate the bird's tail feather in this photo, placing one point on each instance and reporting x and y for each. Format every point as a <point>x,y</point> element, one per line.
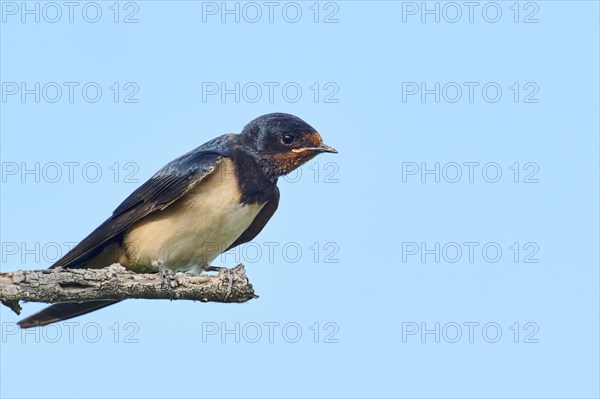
<point>62,311</point>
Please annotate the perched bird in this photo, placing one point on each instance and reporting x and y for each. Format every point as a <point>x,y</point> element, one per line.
<point>196,207</point>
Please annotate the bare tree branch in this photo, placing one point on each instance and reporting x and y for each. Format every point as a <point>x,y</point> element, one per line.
<point>115,283</point>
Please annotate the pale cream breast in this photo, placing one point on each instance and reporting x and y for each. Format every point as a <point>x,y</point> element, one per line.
<point>194,230</point>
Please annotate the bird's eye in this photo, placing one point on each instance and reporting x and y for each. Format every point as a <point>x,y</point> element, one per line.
<point>288,139</point>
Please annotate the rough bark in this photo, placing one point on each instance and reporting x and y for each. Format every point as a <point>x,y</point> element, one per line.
<point>115,282</point>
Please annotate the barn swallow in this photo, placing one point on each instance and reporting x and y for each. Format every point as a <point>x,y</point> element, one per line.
<point>212,199</point>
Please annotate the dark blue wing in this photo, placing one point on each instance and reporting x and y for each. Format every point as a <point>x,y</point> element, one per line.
<point>168,185</point>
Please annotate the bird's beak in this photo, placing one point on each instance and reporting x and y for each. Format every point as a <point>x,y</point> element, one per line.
<point>321,148</point>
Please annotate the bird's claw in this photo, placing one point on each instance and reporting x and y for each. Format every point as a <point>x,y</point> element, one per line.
<point>228,278</point>
<point>229,281</point>
<point>230,285</point>
<point>165,277</point>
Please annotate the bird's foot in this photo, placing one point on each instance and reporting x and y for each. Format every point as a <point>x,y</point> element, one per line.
<point>165,277</point>
<point>229,284</point>
<point>227,277</point>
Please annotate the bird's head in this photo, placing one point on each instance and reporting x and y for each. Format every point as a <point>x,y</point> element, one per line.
<point>283,142</point>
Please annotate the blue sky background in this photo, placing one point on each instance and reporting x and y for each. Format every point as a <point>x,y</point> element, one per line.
<point>352,300</point>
